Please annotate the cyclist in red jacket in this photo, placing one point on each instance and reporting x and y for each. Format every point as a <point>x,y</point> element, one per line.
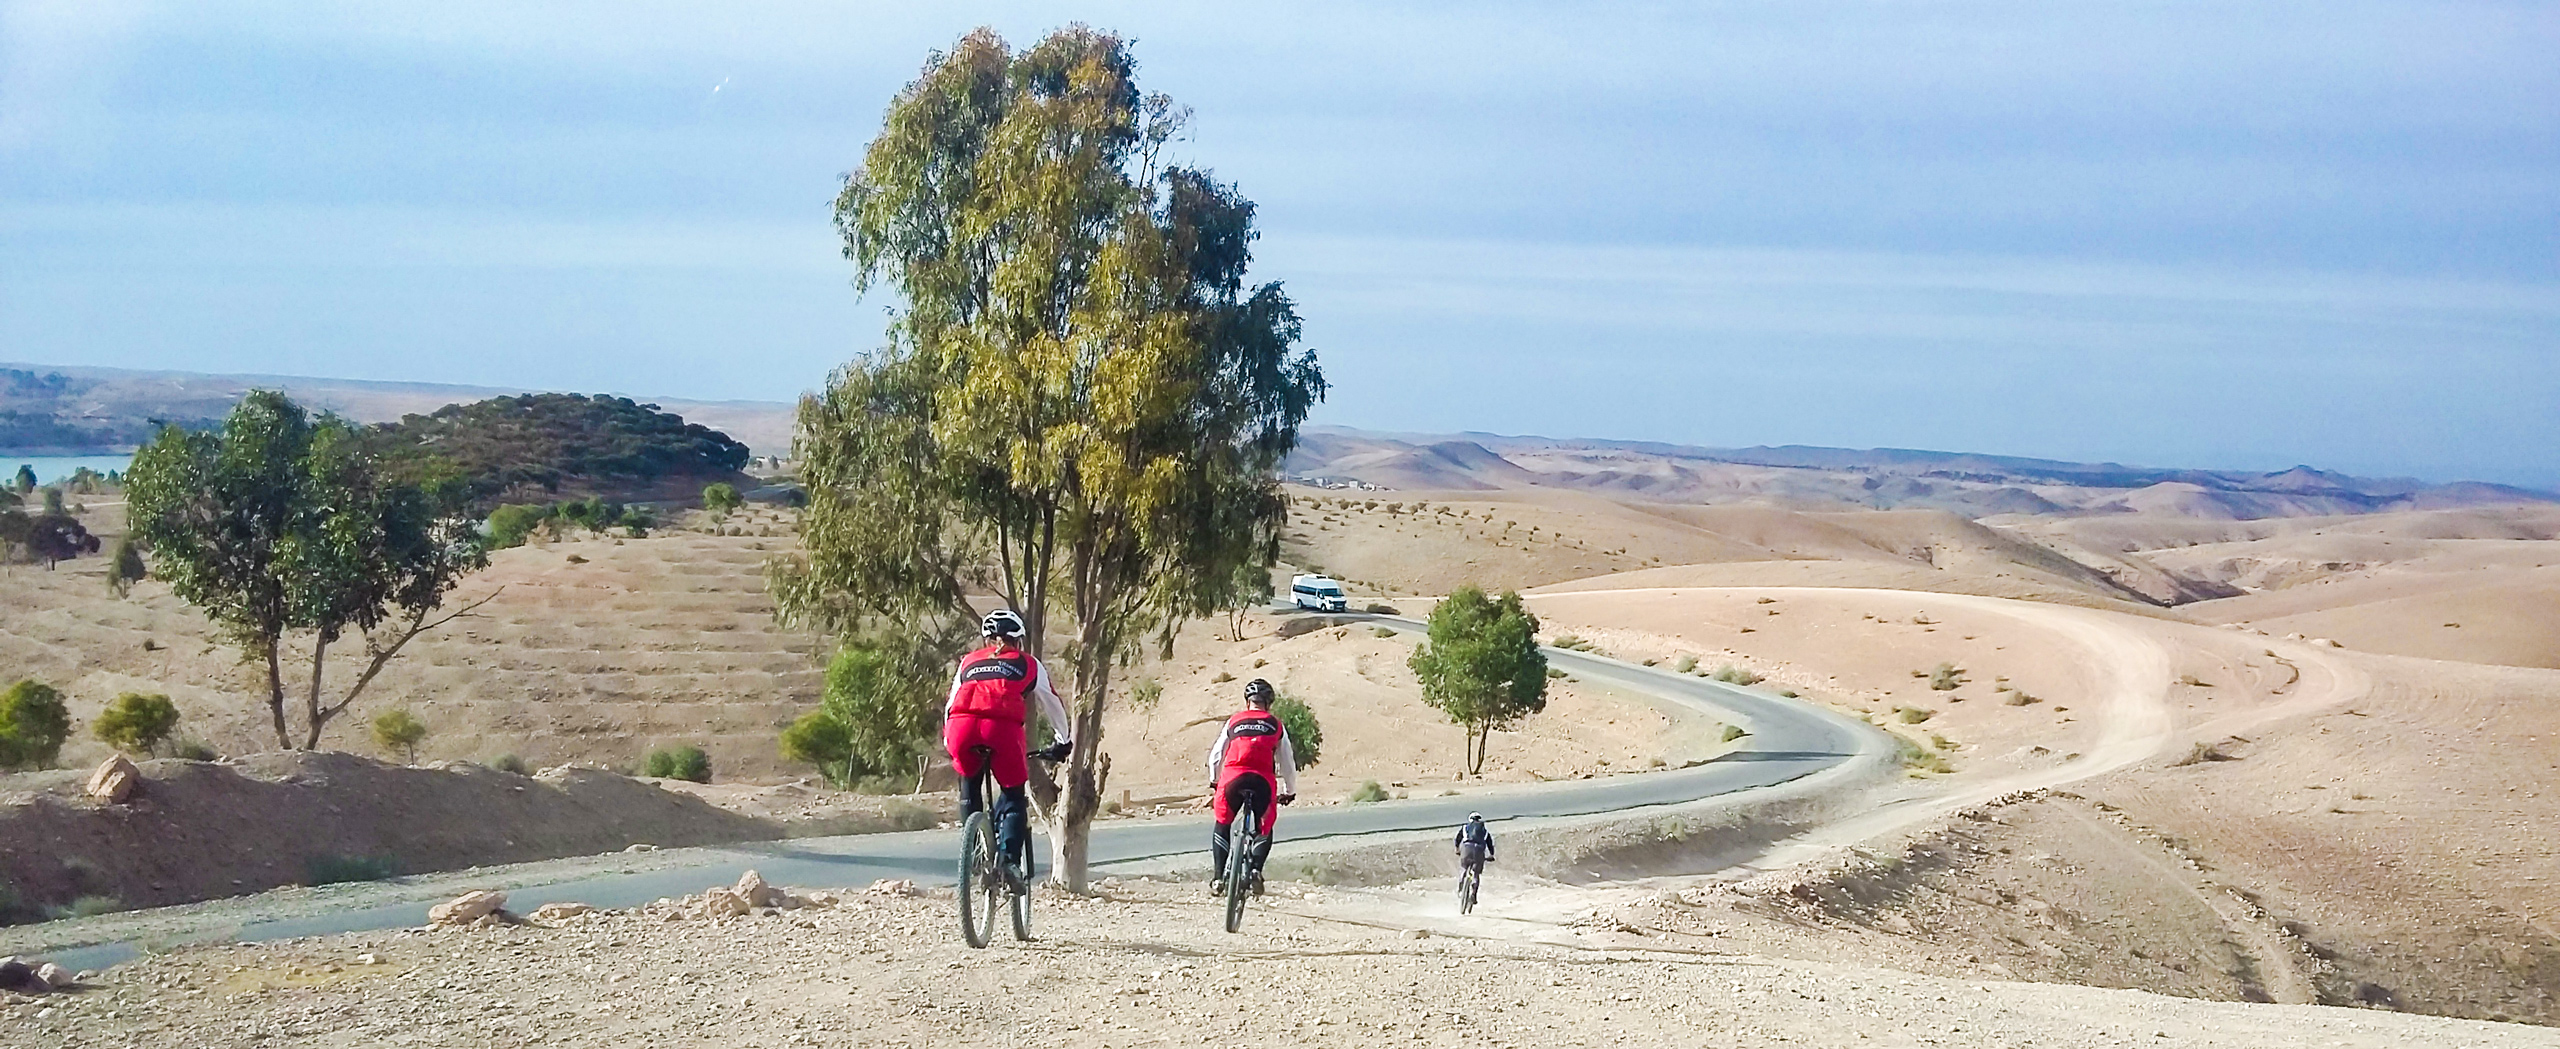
<point>987,710</point>
<point>1249,758</point>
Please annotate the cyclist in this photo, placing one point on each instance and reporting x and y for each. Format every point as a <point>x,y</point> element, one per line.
<point>1251,754</point>
<point>986,710</point>
<point>1475,843</point>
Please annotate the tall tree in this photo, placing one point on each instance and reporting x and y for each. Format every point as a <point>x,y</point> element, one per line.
<point>1081,407</point>
<point>281,526</point>
<point>1481,667</point>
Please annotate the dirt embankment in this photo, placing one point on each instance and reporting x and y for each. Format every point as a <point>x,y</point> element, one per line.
<point>199,830</point>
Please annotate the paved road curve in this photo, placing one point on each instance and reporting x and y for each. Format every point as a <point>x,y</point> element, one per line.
<point>1789,740</point>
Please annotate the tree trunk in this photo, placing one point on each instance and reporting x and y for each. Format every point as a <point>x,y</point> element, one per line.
<point>319,660</point>
<point>275,693</point>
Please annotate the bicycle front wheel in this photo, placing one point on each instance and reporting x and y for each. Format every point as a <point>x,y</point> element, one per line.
<point>982,888</point>
<point>1021,889</point>
<point>1240,868</point>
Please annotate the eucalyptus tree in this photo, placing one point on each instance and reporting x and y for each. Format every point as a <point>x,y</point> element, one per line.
<point>1081,405</point>
<point>282,527</point>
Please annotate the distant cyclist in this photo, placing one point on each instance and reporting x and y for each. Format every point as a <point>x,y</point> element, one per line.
<point>986,710</point>
<point>1251,755</point>
<point>1475,843</point>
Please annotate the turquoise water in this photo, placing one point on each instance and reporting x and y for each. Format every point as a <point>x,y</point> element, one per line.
<point>51,468</point>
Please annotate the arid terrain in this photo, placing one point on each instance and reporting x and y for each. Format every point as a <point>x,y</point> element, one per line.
<point>2161,746</point>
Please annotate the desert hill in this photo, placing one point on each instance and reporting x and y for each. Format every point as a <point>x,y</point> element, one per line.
<point>1884,478</point>
<point>69,410</point>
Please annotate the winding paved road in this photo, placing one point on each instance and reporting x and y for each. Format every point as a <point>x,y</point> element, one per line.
<point>1789,740</point>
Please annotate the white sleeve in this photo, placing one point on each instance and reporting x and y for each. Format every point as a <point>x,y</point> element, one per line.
<point>1218,753</point>
<point>954,699</point>
<point>1286,764</point>
<point>1059,727</point>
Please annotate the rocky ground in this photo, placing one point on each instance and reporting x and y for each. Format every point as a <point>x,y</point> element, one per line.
<point>1143,964</point>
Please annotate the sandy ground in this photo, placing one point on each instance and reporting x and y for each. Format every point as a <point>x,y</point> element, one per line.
<point>1143,966</point>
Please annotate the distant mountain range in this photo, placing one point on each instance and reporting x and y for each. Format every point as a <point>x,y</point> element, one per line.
<point>1976,486</point>
<point>68,410</point>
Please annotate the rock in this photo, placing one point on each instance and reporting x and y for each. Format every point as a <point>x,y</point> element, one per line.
<point>114,782</point>
<point>467,908</point>
<point>756,891</point>
<point>639,846</point>
<point>722,903</point>
<point>21,977</point>
<point>368,959</point>
<point>54,976</point>
<point>559,912</point>
<point>892,887</point>
<point>821,898</point>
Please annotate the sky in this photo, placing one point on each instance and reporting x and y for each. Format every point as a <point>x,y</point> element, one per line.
<point>2229,235</point>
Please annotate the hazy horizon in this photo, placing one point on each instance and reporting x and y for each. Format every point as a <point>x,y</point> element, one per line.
<point>2219,236</point>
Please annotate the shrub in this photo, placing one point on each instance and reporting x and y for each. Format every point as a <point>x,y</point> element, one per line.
<point>1571,642</point>
<point>14,909</point>
<point>819,739</point>
<point>1222,678</point>
<point>90,907</point>
<point>193,750</point>
<point>1787,692</point>
<point>399,730</point>
<point>2191,681</point>
<point>34,722</point>
<point>1734,675</point>
<point>510,763</point>
<point>1946,677</point>
<point>1380,610</point>
<point>331,869</point>
<point>2018,697</point>
<point>136,723</point>
<point>1306,737</point>
<point>510,525</point>
<point>1913,715</point>
<point>1381,632</point>
<point>1686,664</point>
<point>125,566</point>
<point>1919,758</point>
<point>720,497</point>
<point>1369,792</point>
<point>1553,673</point>
<point>1733,732</point>
<point>686,762</point>
<point>2200,753</point>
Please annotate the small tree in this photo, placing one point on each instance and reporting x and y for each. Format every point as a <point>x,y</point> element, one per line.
<point>509,525</point>
<point>53,500</point>
<point>136,723</point>
<point>887,697</point>
<point>1481,666</point>
<point>1248,589</point>
<point>26,480</point>
<point>125,567</point>
<point>400,730</point>
<point>34,722</point>
<point>279,525</point>
<point>819,739</point>
<point>1306,737</point>
<point>720,497</point>
<point>1146,696</point>
<point>54,537</point>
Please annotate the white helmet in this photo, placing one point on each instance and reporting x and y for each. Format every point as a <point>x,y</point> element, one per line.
<point>1002,623</point>
<point>1475,817</point>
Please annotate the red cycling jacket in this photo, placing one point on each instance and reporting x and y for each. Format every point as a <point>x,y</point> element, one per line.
<point>992,682</point>
<point>1254,742</point>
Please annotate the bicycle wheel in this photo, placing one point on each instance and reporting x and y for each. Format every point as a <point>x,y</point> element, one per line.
<point>1239,872</point>
<point>981,883</point>
<point>1021,889</point>
<point>1467,891</point>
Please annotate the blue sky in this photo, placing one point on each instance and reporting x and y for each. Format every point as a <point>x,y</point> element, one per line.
<point>2220,234</point>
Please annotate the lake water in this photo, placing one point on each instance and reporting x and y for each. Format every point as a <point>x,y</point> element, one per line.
<point>51,468</point>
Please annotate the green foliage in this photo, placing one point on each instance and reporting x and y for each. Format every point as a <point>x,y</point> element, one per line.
<point>720,497</point>
<point>136,723</point>
<point>1083,404</point>
<point>1369,792</point>
<point>2017,697</point>
<point>1946,677</point>
<point>1912,715</point>
<point>510,525</point>
<point>544,441</point>
<point>400,730</point>
<point>34,723</point>
<point>90,906</point>
<point>1381,633</point>
<point>278,523</point>
<point>887,694</point>
<point>1306,737</point>
<point>1480,666</point>
<point>686,762</point>
<point>1733,732</point>
<point>194,750</point>
<point>1736,675</point>
<point>26,479</point>
<point>1686,664</point>
<point>1146,696</point>
<point>125,566</point>
<point>1920,759</point>
<point>511,763</point>
<point>331,869</point>
<point>53,500</point>
<point>51,536</point>
<point>817,738</point>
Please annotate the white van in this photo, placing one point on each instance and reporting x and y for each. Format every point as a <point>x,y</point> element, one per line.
<point>1319,594</point>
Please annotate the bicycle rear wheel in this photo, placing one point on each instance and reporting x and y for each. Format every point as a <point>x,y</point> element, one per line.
<point>1467,881</point>
<point>1020,886</point>
<point>982,888</point>
<point>1239,872</point>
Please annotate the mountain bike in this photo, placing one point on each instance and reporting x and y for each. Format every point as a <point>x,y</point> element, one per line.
<point>1470,877</point>
<point>1247,836</point>
<point>987,882</point>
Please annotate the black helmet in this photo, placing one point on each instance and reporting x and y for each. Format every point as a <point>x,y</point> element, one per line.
<point>1002,623</point>
<point>1257,691</point>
